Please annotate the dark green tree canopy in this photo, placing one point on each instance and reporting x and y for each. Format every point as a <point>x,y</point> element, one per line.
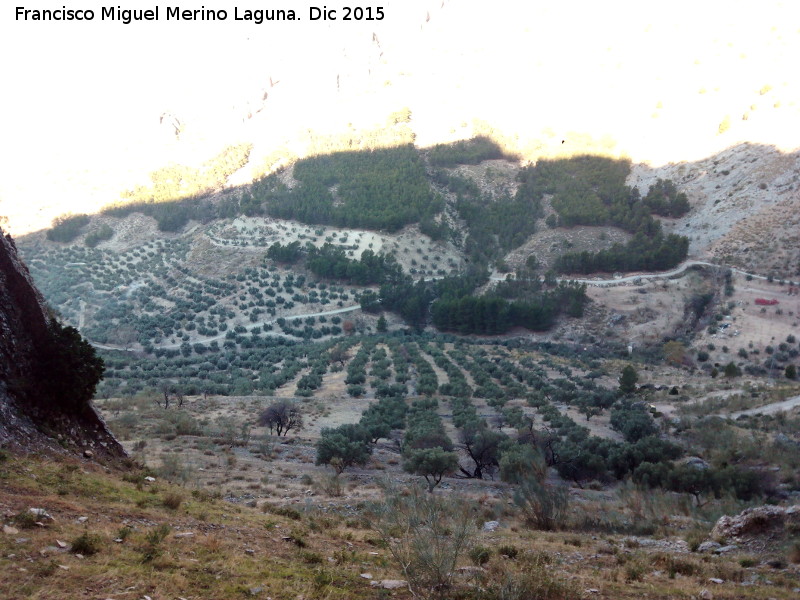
<point>343,447</point>
<point>431,463</point>
<point>628,379</point>
<point>70,369</point>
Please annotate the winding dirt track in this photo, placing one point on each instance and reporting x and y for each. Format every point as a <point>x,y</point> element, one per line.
<point>656,275</point>
<point>769,409</point>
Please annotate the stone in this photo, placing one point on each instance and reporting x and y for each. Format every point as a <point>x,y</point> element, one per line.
<point>754,521</point>
<point>728,548</point>
<point>61,544</point>
<point>41,514</point>
<point>709,546</point>
<point>149,479</point>
<point>696,462</point>
<point>491,525</point>
<point>88,454</point>
<point>389,584</point>
<point>716,580</point>
<point>8,530</point>
<point>366,575</point>
<point>82,519</point>
<point>184,534</point>
<point>705,595</point>
<point>255,591</point>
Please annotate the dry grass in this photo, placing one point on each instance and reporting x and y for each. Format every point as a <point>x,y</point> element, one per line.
<point>207,548</point>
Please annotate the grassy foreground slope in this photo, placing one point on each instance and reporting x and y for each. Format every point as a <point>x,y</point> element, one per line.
<point>116,535</point>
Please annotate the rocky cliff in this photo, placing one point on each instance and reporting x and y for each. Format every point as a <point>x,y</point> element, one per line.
<point>47,373</point>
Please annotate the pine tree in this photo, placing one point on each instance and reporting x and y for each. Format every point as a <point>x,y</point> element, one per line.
<point>627,380</point>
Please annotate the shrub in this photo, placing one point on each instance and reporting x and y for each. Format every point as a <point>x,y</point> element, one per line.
<point>508,551</point>
<point>173,469</point>
<point>536,579</point>
<point>151,549</point>
<point>172,500</point>
<point>25,519</point>
<point>425,535</point>
<point>101,234</point>
<point>86,544</point>
<point>544,506</point>
<point>480,555</point>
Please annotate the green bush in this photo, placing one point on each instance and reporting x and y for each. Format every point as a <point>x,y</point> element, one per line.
<point>86,544</point>
<point>101,234</point>
<point>480,555</point>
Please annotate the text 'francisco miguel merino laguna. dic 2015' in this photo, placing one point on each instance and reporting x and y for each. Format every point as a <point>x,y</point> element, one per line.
<point>176,13</point>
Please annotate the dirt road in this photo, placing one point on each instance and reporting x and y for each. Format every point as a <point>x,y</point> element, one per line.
<point>769,409</point>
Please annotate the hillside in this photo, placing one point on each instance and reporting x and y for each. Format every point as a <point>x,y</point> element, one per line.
<point>438,301</point>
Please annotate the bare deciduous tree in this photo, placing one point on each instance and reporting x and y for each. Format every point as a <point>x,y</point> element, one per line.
<point>281,417</point>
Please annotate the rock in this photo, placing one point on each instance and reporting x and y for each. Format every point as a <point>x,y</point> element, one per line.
<point>755,522</point>
<point>728,548</point>
<point>366,575</point>
<point>149,479</point>
<point>389,584</point>
<point>716,580</point>
<point>184,534</point>
<point>696,462</point>
<point>61,544</point>
<point>41,514</point>
<point>255,591</point>
<point>82,519</point>
<point>8,530</point>
<point>249,551</point>
<point>592,591</point>
<point>64,567</point>
<point>706,595</point>
<point>709,546</point>
<point>491,525</point>
<point>88,454</point>
<point>31,415</point>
